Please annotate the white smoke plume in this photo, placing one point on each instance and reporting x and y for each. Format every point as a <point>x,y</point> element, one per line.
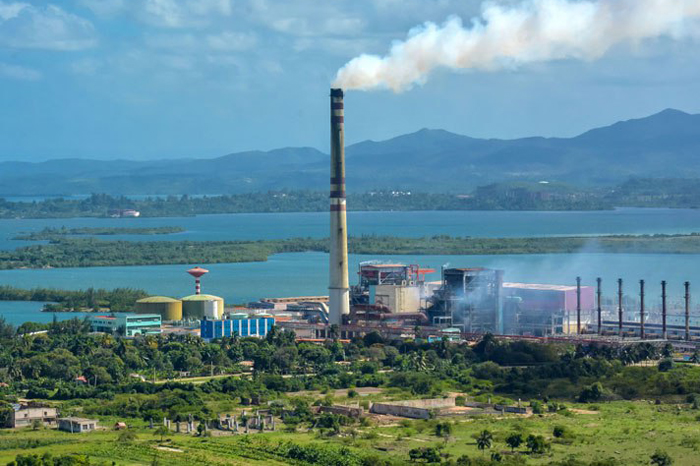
<point>508,35</point>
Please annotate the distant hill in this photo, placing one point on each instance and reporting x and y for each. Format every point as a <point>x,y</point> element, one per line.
<point>666,144</point>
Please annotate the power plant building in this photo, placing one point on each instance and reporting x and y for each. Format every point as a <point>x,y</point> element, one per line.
<point>240,325</point>
<point>541,309</point>
<point>200,306</point>
<point>128,324</point>
<point>169,309</point>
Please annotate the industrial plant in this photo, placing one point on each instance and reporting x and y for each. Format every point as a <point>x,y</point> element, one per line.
<point>401,301</point>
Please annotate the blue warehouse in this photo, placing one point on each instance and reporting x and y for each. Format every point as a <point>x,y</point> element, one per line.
<point>242,327</point>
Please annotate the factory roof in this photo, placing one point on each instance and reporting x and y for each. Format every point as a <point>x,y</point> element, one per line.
<point>379,266</point>
<point>540,286</point>
<point>201,297</point>
<point>158,299</point>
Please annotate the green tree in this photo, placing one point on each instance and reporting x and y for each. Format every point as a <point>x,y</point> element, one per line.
<point>484,440</point>
<point>661,458</point>
<point>163,431</point>
<point>126,436</point>
<point>443,429</point>
<point>536,444</point>
<point>514,440</point>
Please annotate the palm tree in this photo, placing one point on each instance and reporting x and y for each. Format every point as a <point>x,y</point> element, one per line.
<point>484,440</point>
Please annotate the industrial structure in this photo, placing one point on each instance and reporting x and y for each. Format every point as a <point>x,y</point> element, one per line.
<point>127,324</point>
<point>199,306</point>
<point>239,324</point>
<point>169,309</point>
<point>197,273</point>
<point>339,287</point>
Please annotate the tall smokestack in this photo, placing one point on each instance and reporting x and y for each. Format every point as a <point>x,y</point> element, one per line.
<point>339,289</point>
<point>641,309</point>
<point>687,311</point>
<point>664,333</point>
<point>578,305</point>
<point>619,305</point>
<point>600,311</point>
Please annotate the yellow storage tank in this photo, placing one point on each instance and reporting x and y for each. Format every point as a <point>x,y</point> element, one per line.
<point>198,306</point>
<point>168,308</point>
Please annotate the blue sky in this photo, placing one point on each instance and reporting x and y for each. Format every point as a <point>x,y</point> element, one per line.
<point>148,79</point>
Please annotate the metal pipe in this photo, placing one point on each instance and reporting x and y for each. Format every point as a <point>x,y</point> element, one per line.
<point>641,309</point>
<point>619,306</point>
<point>578,305</point>
<point>339,287</point>
<point>664,333</point>
<point>687,311</point>
<point>600,310</point>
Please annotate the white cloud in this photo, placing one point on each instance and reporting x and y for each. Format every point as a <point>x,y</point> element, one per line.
<point>18,72</point>
<point>11,10</point>
<point>49,27</point>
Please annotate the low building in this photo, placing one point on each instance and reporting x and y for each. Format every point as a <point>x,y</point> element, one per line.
<point>414,409</point>
<point>25,415</point>
<point>542,309</point>
<point>240,325</point>
<point>76,425</point>
<point>127,324</point>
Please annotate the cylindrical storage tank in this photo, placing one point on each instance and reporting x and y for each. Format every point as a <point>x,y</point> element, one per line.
<point>198,306</point>
<point>168,308</point>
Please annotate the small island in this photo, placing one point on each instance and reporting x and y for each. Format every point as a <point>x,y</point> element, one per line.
<point>48,234</point>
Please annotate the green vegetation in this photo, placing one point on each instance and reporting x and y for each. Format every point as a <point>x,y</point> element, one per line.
<point>506,196</point>
<point>567,433</point>
<point>92,252</point>
<point>636,192</point>
<point>48,234</point>
<point>117,300</point>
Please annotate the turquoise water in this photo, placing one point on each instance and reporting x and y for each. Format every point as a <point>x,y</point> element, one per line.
<point>18,312</point>
<point>411,224</point>
<point>306,273</point>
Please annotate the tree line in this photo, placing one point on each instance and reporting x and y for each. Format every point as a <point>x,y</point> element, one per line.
<point>92,252</point>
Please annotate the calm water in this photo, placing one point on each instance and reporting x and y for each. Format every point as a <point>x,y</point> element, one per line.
<point>17,312</point>
<point>306,273</point>
<point>412,224</point>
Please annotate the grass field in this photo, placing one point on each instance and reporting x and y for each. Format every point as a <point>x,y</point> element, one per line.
<point>628,432</point>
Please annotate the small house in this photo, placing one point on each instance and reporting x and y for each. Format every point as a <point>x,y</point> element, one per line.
<point>76,424</point>
<point>25,415</point>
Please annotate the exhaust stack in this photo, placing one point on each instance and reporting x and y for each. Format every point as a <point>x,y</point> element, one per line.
<point>641,309</point>
<point>578,305</point>
<point>687,311</point>
<point>599,295</point>
<point>619,306</point>
<point>339,288</point>
<point>664,332</point>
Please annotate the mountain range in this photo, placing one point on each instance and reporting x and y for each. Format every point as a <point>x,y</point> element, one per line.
<point>666,144</point>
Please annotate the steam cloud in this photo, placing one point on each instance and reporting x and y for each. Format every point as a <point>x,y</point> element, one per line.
<point>506,36</point>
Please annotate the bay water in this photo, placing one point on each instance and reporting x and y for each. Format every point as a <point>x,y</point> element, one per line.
<point>306,273</point>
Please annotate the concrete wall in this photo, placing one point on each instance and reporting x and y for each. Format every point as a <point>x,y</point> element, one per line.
<point>343,410</point>
<point>414,409</point>
<point>398,298</point>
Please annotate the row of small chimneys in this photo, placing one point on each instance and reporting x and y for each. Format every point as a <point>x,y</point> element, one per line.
<point>599,294</point>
